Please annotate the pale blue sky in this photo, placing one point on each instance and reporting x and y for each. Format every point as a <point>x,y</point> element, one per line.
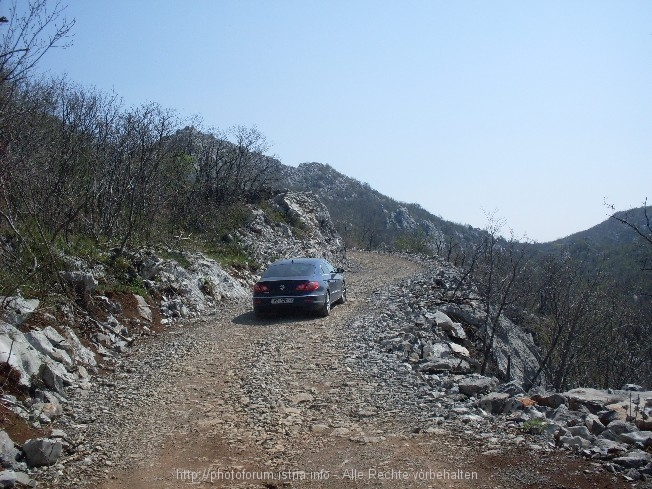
<point>537,110</point>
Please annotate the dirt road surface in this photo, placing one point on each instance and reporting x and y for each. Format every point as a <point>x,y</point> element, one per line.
<point>293,401</point>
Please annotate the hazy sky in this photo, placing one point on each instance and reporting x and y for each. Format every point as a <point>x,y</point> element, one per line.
<point>536,110</point>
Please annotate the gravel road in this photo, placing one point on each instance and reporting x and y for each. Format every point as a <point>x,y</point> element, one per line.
<point>292,401</point>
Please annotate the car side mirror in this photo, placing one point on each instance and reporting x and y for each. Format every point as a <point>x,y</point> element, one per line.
<point>339,270</point>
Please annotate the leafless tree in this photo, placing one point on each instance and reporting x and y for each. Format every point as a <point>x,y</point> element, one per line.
<point>643,229</point>
<point>568,300</point>
<point>499,274</point>
<point>29,32</point>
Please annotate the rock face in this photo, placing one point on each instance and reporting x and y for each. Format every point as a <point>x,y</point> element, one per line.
<point>43,354</point>
<point>187,290</point>
<point>296,224</point>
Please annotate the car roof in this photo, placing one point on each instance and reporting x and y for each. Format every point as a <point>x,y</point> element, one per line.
<point>299,260</point>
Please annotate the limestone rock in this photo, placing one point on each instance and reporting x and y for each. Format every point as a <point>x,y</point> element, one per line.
<point>8,451</point>
<point>52,378</point>
<point>446,324</point>
<point>576,442</point>
<point>39,340</point>
<point>633,459</point>
<point>11,478</point>
<point>494,402</point>
<point>84,282</point>
<point>144,310</point>
<point>17,309</point>
<point>551,400</point>
<point>474,385</point>
<point>42,451</point>
<point>16,350</point>
<point>643,438</point>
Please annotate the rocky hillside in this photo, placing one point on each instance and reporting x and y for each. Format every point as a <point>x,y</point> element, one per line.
<point>366,218</point>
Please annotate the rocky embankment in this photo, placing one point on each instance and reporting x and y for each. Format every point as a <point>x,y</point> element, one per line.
<point>613,427</point>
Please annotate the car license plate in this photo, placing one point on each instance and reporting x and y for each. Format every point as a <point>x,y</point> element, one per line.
<point>284,300</point>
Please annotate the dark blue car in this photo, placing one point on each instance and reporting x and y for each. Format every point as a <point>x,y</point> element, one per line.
<point>308,284</point>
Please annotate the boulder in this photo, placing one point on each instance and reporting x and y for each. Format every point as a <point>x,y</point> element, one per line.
<point>642,438</point>
<point>552,400</point>
<point>436,351</point>
<point>475,385</point>
<point>16,350</point>
<point>633,459</point>
<point>618,427</point>
<point>576,442</point>
<point>607,416</point>
<point>80,353</point>
<point>53,378</point>
<point>459,350</point>
<point>593,424</point>
<point>494,402</point>
<point>42,451</point>
<point>8,451</point>
<point>597,400</point>
<point>610,447</point>
<point>17,309</point>
<point>84,282</point>
<point>562,415</point>
<point>57,340</point>
<point>144,310</point>
<point>11,478</point>
<point>453,329</point>
<point>581,431</point>
<point>620,410</point>
<point>449,364</point>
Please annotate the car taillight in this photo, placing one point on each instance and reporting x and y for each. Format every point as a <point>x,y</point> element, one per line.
<point>307,287</point>
<point>261,288</point>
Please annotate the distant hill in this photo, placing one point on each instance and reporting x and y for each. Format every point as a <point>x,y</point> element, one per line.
<point>614,247</point>
<point>366,218</point>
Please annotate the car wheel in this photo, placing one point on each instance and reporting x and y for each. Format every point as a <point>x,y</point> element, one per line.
<point>326,308</point>
<point>342,298</point>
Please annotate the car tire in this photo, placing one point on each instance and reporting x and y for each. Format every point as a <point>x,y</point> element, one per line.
<point>326,308</point>
<point>342,298</point>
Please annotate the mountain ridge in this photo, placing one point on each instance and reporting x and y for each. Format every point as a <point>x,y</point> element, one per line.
<point>323,180</point>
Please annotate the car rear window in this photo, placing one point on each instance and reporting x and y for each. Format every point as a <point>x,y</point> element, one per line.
<point>289,270</point>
